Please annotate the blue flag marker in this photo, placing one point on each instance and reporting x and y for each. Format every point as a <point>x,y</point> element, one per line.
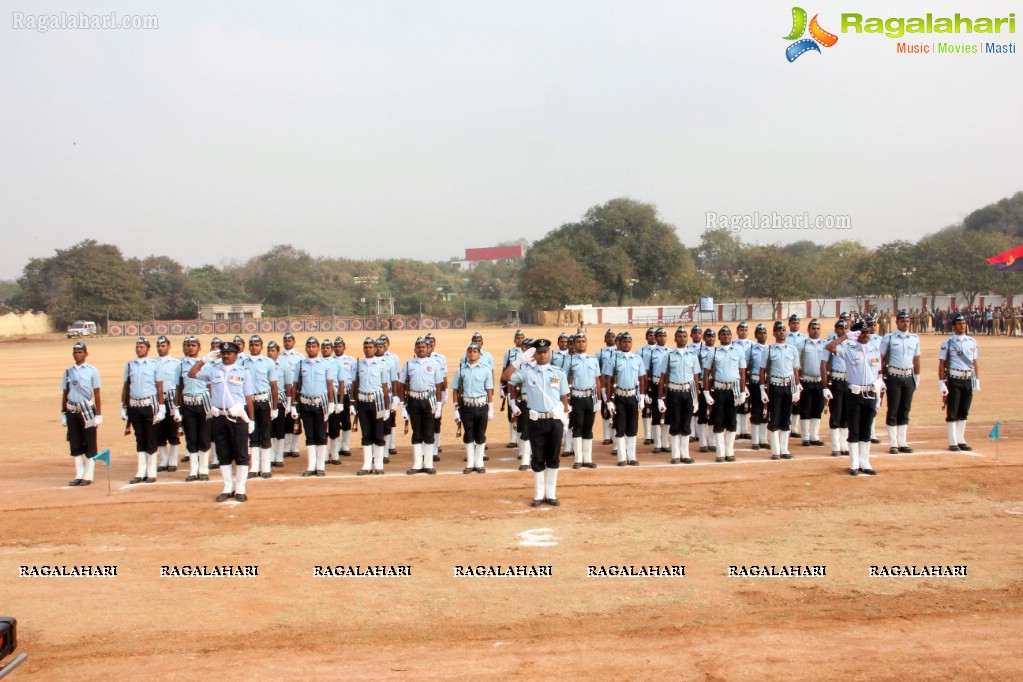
<point>995,432</point>
<point>105,457</point>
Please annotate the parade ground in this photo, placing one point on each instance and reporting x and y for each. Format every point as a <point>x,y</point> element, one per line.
<point>758,569</point>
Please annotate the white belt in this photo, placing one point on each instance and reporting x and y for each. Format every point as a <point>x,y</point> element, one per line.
<point>192,399</point>
<point>474,402</point>
<point>679,387</point>
<point>306,400</point>
<point>810,380</point>
<point>722,386</point>
<point>368,397</point>
<point>898,372</point>
<point>71,407</point>
<point>140,402</point>
<point>260,397</point>
<point>625,392</point>
<point>780,381</point>
<point>959,373</point>
<point>838,376</point>
<point>422,395</point>
<point>587,393</point>
<point>867,392</point>
<point>546,415</point>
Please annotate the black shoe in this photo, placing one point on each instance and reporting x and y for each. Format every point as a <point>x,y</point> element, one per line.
<point>241,497</point>
<point>875,441</point>
<point>308,474</point>
<point>224,496</point>
<point>795,434</point>
<point>439,449</point>
<point>845,453</point>
<point>334,462</point>
<point>835,453</point>
<point>468,470</point>
<point>486,458</point>
<point>172,469</point>
<point>775,456</point>
<point>755,446</point>
<point>853,472</point>
<point>378,472</point>
<point>566,454</point>
<point>719,459</point>
<point>277,464</point>
<point>149,480</point>
<point>614,453</point>
<point>965,447</point>
<point>730,458</point>
<point>436,458</point>
<point>361,472</point>
<point>577,465</point>
<point>161,469</point>
<point>688,460</point>
<point>553,501</point>
<point>320,473</point>
<point>868,472</point>
<point>392,451</point>
<point>904,448</point>
<point>411,472</point>
<point>252,475</point>
<point>607,441</point>
<point>346,453</point>
<point>817,443</point>
<point>675,460</point>
<point>712,448</point>
<point>77,482</point>
<point>204,477</point>
<point>85,482</point>
<point>633,462</point>
<point>214,466</point>
<point>511,446</point>
<point>622,464</point>
<point>589,465</point>
<point>536,503</point>
<point>953,448</point>
<point>430,471</point>
<point>523,467</point>
<point>291,454</point>
<point>893,451</point>
<point>387,460</point>
<point>266,474</point>
<point>185,459</point>
<point>481,470</point>
<point>189,479</point>
<point>703,448</point>
<point>786,455</point>
<point>648,441</point>
<point>806,443</point>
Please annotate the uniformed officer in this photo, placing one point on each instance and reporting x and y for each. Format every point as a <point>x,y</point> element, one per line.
<point>583,376</point>
<point>214,465</point>
<point>419,384</point>
<point>958,379</point>
<point>509,357</point>
<point>863,365</point>
<point>703,423</point>
<point>545,388</point>
<point>194,402</point>
<point>900,367</point>
<point>757,408</point>
<point>231,390</point>
<point>80,411</point>
<point>627,390</point>
<point>560,359</point>
<point>290,358</point>
<point>796,338</point>
<point>605,359</point>
<point>142,407</point>
<point>473,388</point>
<point>779,388</point>
<point>870,321</point>
<point>519,411</point>
<point>834,375</point>
<point>372,393</point>
<point>443,362</point>
<point>486,359</point>
<point>314,387</point>
<point>346,365</point>
<point>679,376</point>
<point>265,404</point>
<point>168,441</point>
<point>334,418</point>
<point>394,364</point>
<point>645,412</point>
<point>658,433</point>
<point>742,341</point>
<point>811,401</point>
<point>285,391</point>
<point>724,387</point>
<point>696,345</point>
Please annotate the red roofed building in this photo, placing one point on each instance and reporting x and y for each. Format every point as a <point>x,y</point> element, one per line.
<point>493,253</point>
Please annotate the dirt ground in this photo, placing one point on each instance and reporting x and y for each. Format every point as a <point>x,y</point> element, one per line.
<point>930,507</point>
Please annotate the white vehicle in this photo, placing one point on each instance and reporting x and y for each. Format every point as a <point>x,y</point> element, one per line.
<point>81,328</point>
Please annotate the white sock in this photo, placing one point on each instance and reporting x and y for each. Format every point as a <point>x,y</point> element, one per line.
<point>719,443</point>
<point>578,450</point>
<point>321,457</point>
<point>783,444</point>
<point>392,440</point>
<point>311,457</point>
<point>730,443</point>
<point>893,437</point>
<point>794,423</point>
<point>173,453</point>
<point>79,467</point>
<point>845,438</point>
<point>836,440</point>
<point>701,433</point>
<point>335,449</point>
<point>481,449</point>
<point>620,445</point>
<point>538,485</point>
<point>193,464</point>
<point>551,484</point>
<point>511,432</point>
<point>346,437</point>
<point>646,427</point>
<point>151,466</point>
<point>227,475</point>
<point>950,427</point>
<point>266,455</point>
<point>367,457</point>
<point>588,451</point>
<point>164,455</point>
<point>417,456</point>
<point>607,429</point>
<point>865,455</point>
<point>772,437</point>
<point>694,427</point>
<point>470,455</point>
<point>204,463</point>
<point>815,429</point>
<point>631,445</point>
<point>567,440</point>
<point>854,455</point>
<point>743,430</point>
<point>279,450</point>
<point>872,436</point>
<point>805,430</point>
<point>961,431</point>
<point>901,430</point>
<point>676,448</point>
<point>254,459</point>
<point>379,452</point>
<point>240,476</point>
<point>90,468</point>
<point>525,452</point>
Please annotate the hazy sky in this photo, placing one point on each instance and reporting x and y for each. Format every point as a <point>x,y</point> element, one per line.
<point>418,128</point>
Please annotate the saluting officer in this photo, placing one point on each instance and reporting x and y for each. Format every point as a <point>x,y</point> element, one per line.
<point>314,386</point>
<point>419,383</point>
<point>779,389</point>
<point>80,413</point>
<point>142,407</point>
<point>678,378</point>
<point>194,399</point>
<point>583,375</point>
<point>627,389</point>
<point>473,388</point>
<point>863,364</point>
<point>231,390</point>
<point>545,388</point>
<point>168,441</point>
<point>605,359</point>
<point>958,378</point>
<point>724,388</point>
<point>900,365</point>
<point>265,403</point>
<point>372,391</point>
<point>757,408</point>
<point>811,401</point>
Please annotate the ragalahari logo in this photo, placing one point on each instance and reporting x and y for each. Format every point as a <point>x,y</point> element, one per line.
<point>817,35</point>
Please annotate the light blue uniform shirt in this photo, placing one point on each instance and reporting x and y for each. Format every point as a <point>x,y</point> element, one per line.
<point>229,384</point>
<point>290,359</point>
<point>796,339</point>
<point>627,369</point>
<point>560,359</point>
<point>811,356</point>
<point>315,373</point>
<point>644,352</point>
<point>143,374</point>
<point>485,359</point>
<point>192,387</point>
<point>727,362</point>
<point>170,373</point>
<point>374,374</point>
<point>422,374</point>
<point>654,357</point>
<point>263,371</point>
<point>837,363</point>
<point>900,349</point>
<point>80,381</point>
<point>394,364</point>
<point>679,365</point>
<point>606,356</point>
<point>584,372</point>
<point>862,362</point>
<point>346,368</point>
<point>959,352</point>
<point>783,359</point>
<point>745,345</point>
<point>542,386</point>
<point>755,358</point>
<point>510,356</point>
<point>474,380</point>
<point>443,363</point>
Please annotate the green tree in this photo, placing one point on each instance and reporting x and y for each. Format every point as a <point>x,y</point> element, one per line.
<point>774,274</point>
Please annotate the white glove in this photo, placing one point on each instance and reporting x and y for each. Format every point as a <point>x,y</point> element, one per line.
<point>490,410</point>
<point>854,389</point>
<point>437,411</point>
<point>500,392</point>
<point>827,394</point>
<point>216,411</point>
<point>880,386</point>
<point>763,394</point>
<point>404,413</point>
<point>354,411</point>
<point>238,412</point>
<point>661,407</point>
<point>740,399</point>
<point>252,427</point>
<point>273,414</point>
<point>161,414</point>
<point>708,397</point>
<point>524,358</point>
<point>696,407</point>
<point>976,385</point>
<point>210,357</point>
<point>98,419</point>
<point>568,410</point>
<point>63,419</point>
<point>799,392</point>
<point>444,396</point>
<point>294,413</point>
<point>603,394</point>
<point>611,407</point>
<point>395,402</point>
<point>458,417</point>
<point>515,410</point>
<point>331,408</point>
<point>852,336</point>
<point>124,413</point>
<point>338,407</point>
<point>916,380</point>
<point>176,413</point>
